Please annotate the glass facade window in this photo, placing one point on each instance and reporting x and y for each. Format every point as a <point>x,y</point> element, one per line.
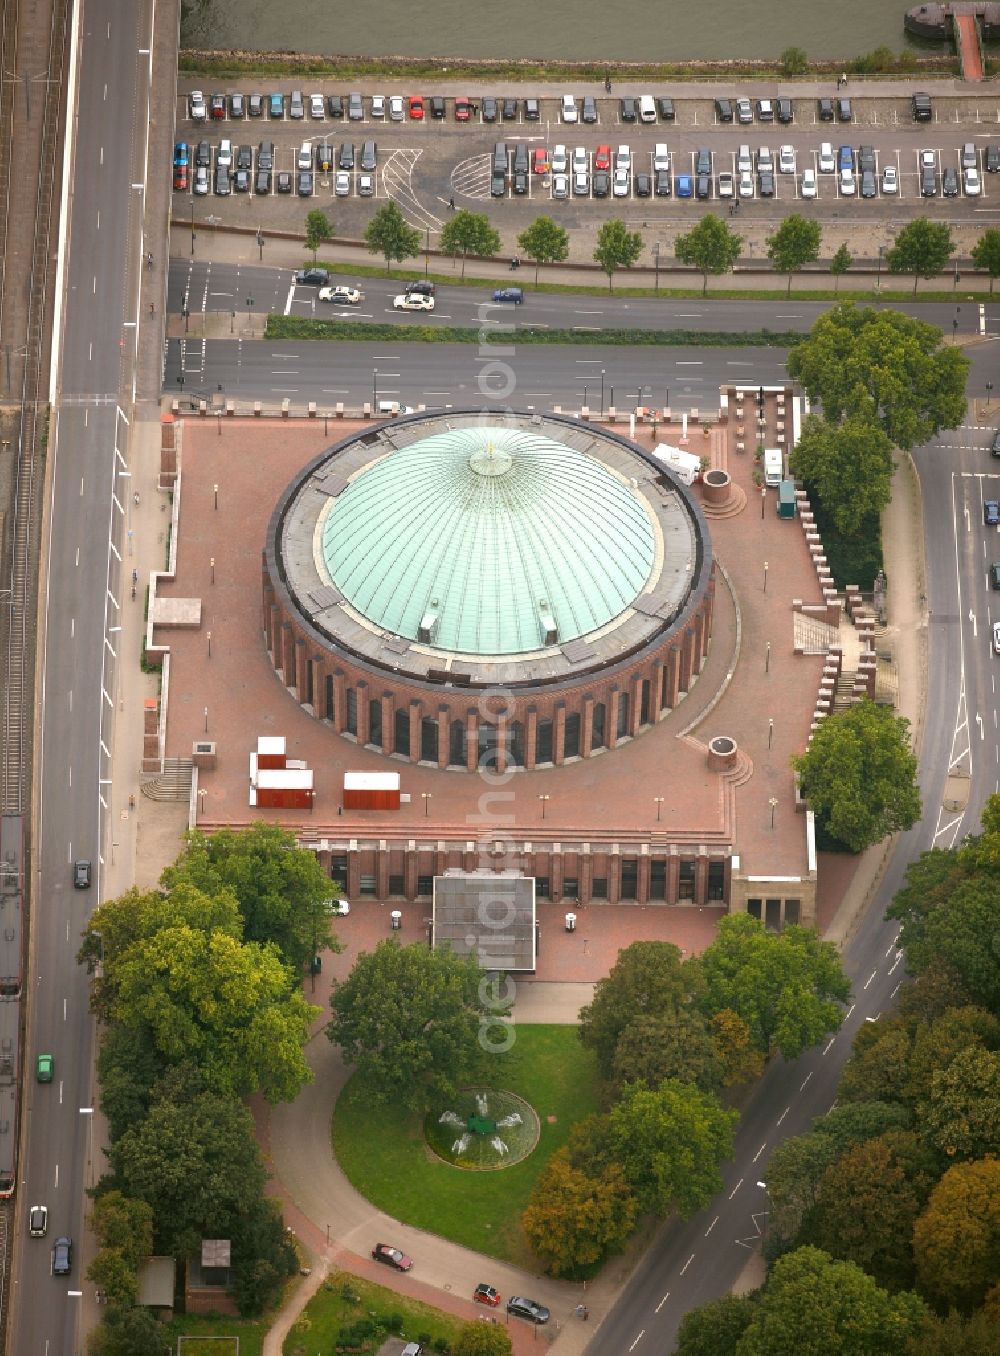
<point>658,878</point>
<point>622,714</point>
<point>338,869</point>
<point>644,703</point>
<point>309,683</point>
<point>425,886</point>
<point>489,741</point>
<point>665,688</point>
<point>401,732</point>
<point>793,911</point>
<point>598,732</point>
<point>716,882</point>
<point>397,886</point>
<point>329,709</point>
<point>352,712</point>
<point>685,887</point>
<point>456,744</point>
<point>428,740</point>
<point>368,886</point>
<point>541,887</point>
<point>543,742</point>
<point>515,743</point>
<point>754,908</point>
<point>630,878</point>
<point>772,915</point>
<point>571,887</point>
<point>375,722</point>
<point>599,887</point>
<point>571,739</point>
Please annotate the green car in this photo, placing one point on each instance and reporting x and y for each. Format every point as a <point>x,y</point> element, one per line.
<point>43,1069</point>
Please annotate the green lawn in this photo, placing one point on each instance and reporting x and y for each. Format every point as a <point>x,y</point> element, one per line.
<point>249,1331</point>
<point>383,1151</point>
<point>343,1298</point>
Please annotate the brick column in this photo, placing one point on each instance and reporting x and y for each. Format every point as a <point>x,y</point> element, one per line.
<point>382,869</point>
<point>444,735</point>
<point>339,702</point>
<point>502,759</point>
<point>558,733</point>
<point>585,872</point>
<point>614,697</point>
<point>556,871</point>
<point>673,876</point>
<point>471,739</point>
<point>364,715</point>
<point>353,872</point>
<point>656,691</point>
<point>530,737</point>
<point>587,727</point>
<point>411,870</point>
<point>388,721</point>
<point>635,706</point>
<point>701,879</point>
<point>614,875</point>
<point>416,711</point>
<point>673,677</point>
<point>642,884</point>
<point>684,678</point>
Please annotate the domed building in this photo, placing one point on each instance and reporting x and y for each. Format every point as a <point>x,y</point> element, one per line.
<point>489,586</point>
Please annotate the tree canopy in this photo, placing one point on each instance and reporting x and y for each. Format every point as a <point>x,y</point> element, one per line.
<point>617,247</point>
<point>468,233</point>
<point>986,254</point>
<point>956,1240</point>
<point>319,229</point>
<point>710,247</point>
<point>849,465</point>
<point>574,1218</point>
<point>882,366</point>
<point>544,241</point>
<point>840,263</point>
<point>859,775</point>
<point>668,1045</point>
<point>788,987</point>
<point>389,235</point>
<point>410,1018</point>
<point>715,1328</point>
<point>961,1117</point>
<point>482,1339</point>
<point>794,244</point>
<point>922,247</point>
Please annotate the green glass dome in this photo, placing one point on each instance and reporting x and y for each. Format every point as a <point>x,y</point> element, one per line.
<point>488,541</point>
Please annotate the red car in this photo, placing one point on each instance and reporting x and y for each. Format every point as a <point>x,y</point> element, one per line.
<point>392,1257</point>
<point>540,160</point>
<point>416,107</point>
<point>180,178</point>
<point>463,110</point>
<point>602,158</point>
<point>486,1294</point>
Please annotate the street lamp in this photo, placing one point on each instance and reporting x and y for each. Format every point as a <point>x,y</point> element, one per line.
<point>544,799</point>
<point>658,801</point>
<point>426,795</point>
<point>878,279</point>
<point>989,392</point>
<point>773,802</point>
<point>656,266</point>
<point>602,392</point>
<point>374,389</point>
<point>954,325</point>
<point>260,243</point>
<point>192,227</point>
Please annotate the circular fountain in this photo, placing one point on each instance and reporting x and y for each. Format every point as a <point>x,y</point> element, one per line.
<point>482,1129</point>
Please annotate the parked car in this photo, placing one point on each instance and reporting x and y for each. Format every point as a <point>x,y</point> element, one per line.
<point>589,114</point>
<point>366,185</point>
<point>621,182</point>
<point>180,178</point>
<point>201,183</point>
<point>203,154</point>
<point>726,185</point>
<point>766,183</point>
<point>890,180</point>
<point>283,182</point>
<point>560,185</point>
<point>386,1253</point>
<point>62,1257</point>
<point>568,109</point>
<point>369,156</point>
<point>197,108</point>
<point>922,108</point>
<point>765,110</point>
<point>262,183</point>
<point>661,156</point>
<point>643,186</point>
<point>255,105</point>
<point>581,185</point>
<point>703,161</point>
<point>527,1308</point>
<point>724,110</point>
<point>972,183</point>
<point>244,157</point>
<point>376,106</point>
<point>996,637</point>
<point>265,155</point>
<point>786,160</point>
<point>969,158</point>
<point>848,186</point>
<point>510,105</point>
<point>825,160</point>
<point>180,153</point>
<point>412,301</point>
<point>463,109</point>
<point>602,158</point>
<point>342,184</point>
<point>489,108</point>
<point>346,159</point>
<point>324,157</point>
<point>296,104</point>
<point>824,108</point>
<point>991,159</point>
<point>486,1294</point>
<point>746,184</point>
<point>303,160</point>
<point>807,185</point>
<point>949,182</point>
<point>867,159</point>
<point>276,106</point>
<point>335,105</point>
<point>397,111</point>
<point>304,185</point>
<point>217,107</point>
<point>664,184</point>
<point>498,184</point>
<point>703,186</point>
<point>437,106</point>
<point>241,181</point>
<point>844,110</point>
<point>601,183</point>
<point>928,174</point>
<point>532,110</point>
<point>665,107</point>
<point>991,513</point>
<point>560,160</point>
<point>627,108</point>
<point>355,108</point>
<point>868,184</point>
<point>744,111</point>
<point>514,295</point>
<point>684,187</point>
<point>995,445</point>
<point>316,106</point>
<point>519,183</point>
<point>744,160</point>
<point>312,277</point>
<point>785,110</point>
<point>845,158</point>
<point>415,107</point>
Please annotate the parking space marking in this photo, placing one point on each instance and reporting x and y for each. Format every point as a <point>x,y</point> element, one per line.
<point>397,181</point>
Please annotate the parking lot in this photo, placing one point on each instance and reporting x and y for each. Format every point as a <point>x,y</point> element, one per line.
<point>582,171</point>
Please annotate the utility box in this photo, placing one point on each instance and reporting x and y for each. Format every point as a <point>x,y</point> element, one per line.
<point>371,790</point>
<point>786,499</point>
<point>774,467</point>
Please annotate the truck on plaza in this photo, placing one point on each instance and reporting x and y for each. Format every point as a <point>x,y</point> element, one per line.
<point>774,470</point>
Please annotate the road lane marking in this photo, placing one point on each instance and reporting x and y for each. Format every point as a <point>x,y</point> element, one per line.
<point>760,1151</point>
<point>687,1264</point>
<point>736,1188</point>
<point>711,1226</point>
<point>638,1340</point>
<point>784,1114</point>
<point>804,1082</point>
<point>829,1044</point>
<point>662,1303</point>
<point>870,978</point>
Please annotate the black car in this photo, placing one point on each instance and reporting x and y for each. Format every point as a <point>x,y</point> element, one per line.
<point>436,106</point>
<point>62,1257</point>
<point>262,183</point>
<point>766,179</point>
<point>335,105</point>
<point>241,181</point>
<point>346,161</point>
<point>265,155</point>
<point>313,277</point>
<point>784,110</point>
<point>237,106</point>
<point>532,110</point>
<point>664,187</point>
<point>203,156</point>
<point>991,160</point>
<point>724,110</point>
<point>498,185</point>
<point>223,184</point>
<point>589,112</point>
<point>703,161</point>
<point>703,186</point>
<point>928,182</point>
<point>527,1308</point>
<point>825,109</point>
<point>868,187</point>
<point>628,110</point>
<point>666,109</point>
<point>643,186</point>
<point>244,158</point>
<point>922,108</point>
<point>305,184</point>
<point>995,445</point>
<point>489,108</point>
<point>255,105</point>
<point>422,286</point>
<point>601,183</point>
<point>866,159</point>
<point>81,875</point>
<point>991,513</point>
<point>283,183</point>
<point>949,182</point>
<point>510,110</point>
<point>844,111</point>
<point>520,183</point>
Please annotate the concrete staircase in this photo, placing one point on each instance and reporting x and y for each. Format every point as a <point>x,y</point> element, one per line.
<point>173,783</point>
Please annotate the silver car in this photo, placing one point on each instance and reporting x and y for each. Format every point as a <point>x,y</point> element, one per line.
<point>342,184</point>
<point>355,108</point>
<point>560,186</point>
<point>581,185</point>
<point>296,105</point>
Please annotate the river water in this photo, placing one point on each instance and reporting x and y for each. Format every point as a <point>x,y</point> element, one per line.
<point>641,30</point>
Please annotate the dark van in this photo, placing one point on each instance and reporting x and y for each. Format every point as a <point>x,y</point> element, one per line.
<point>512,294</point>
<point>500,158</point>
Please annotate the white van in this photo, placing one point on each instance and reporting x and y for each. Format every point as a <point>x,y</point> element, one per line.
<point>773,467</point>
<point>647,108</point>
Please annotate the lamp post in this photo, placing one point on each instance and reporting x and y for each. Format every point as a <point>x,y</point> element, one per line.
<point>374,389</point>
<point>260,243</point>
<point>427,253</point>
<point>602,392</point>
<point>989,393</point>
<point>878,279</point>
<point>656,267</point>
<point>544,799</point>
<point>658,801</point>
<point>192,227</point>
<point>202,793</point>
<point>954,325</point>
<point>426,797</point>
<point>773,802</point>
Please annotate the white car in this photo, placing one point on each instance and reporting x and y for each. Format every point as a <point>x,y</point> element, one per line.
<point>786,160</point>
<point>340,296</point>
<point>827,163</point>
<point>971,182</point>
<point>38,1220</point>
<point>890,179</point>
<point>807,188</point>
<point>581,185</point>
<point>413,301</point>
<point>744,161</point>
<point>848,184</point>
<point>623,158</point>
<point>378,105</point>
<point>396,107</point>
<point>996,637</point>
<point>197,106</point>
<point>342,184</point>
<point>341,907</point>
<point>620,184</point>
<point>559,160</point>
<point>366,185</point>
<point>224,155</point>
<point>661,157</point>
<point>570,113</point>
<point>201,183</point>
<point>746,184</point>
<point>725,184</point>
<point>560,186</point>
<point>581,161</point>
<point>316,106</point>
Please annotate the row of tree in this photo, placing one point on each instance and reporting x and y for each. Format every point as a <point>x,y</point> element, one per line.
<point>197,985</point>
<point>669,1035</point>
<point>922,248</point>
<point>884,1224</point>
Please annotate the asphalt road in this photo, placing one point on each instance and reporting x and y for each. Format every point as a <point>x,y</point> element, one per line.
<point>202,286</point>
<point>84,592</point>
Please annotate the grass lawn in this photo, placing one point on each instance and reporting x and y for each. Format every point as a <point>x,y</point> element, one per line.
<point>249,1331</point>
<point>383,1151</point>
<point>330,1308</point>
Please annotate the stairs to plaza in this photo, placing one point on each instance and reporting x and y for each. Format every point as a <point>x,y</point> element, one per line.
<point>173,783</point>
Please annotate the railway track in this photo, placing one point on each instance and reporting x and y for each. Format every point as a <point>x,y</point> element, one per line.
<point>34,36</point>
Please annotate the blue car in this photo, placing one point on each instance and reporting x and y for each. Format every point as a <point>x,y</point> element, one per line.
<point>991,513</point>
<point>845,158</point>
<point>180,154</point>
<point>276,106</point>
<point>684,187</point>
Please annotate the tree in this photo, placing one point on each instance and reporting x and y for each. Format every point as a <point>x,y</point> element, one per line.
<point>794,1174</point>
<point>194,1159</point>
<point>741,1063</point>
<point>849,466</point>
<point>668,1045</point>
<point>670,1142</point>
<point>409,1018</point>
<point>932,993</point>
<point>263,1257</point>
<point>389,235</point>
<point>879,1066</point>
<point>283,893</point>
<point>962,1115</point>
<point>647,979</point>
<point>128,1065</point>
<point>544,241</point>
<point>986,254</point>
<point>126,1332</point>
<point>714,1328</point>
<point>956,1241</point>
<point>482,1339</point>
<point>617,247</point>
<point>115,1274</point>
<point>955,1336</point>
<point>815,1306</point>
<point>468,233</point>
<point>840,263</point>
<point>125,1224</point>
<point>710,247</point>
<point>787,987</point>
<point>852,1123</point>
<point>573,1219</point>
<point>884,366</point>
<point>922,248</point>
<point>961,932</point>
<point>859,775</point>
<point>794,244</point>
<point>319,229</point>
<point>868,1202</point>
<point>793,61</point>
<point>937,1043</point>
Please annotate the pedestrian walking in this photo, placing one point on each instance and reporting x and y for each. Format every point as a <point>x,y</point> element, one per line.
<point>607,82</point>
<point>451,203</point>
